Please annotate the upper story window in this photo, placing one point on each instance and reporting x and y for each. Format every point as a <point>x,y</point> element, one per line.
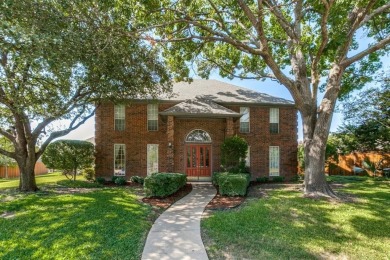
<point>119,117</point>
<point>274,120</point>
<point>244,120</point>
<point>152,117</point>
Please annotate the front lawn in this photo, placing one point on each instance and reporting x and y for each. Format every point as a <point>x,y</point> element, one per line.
<point>284,225</point>
<point>107,223</point>
<point>45,179</point>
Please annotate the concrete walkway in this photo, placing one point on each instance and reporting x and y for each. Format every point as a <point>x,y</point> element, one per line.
<point>176,233</point>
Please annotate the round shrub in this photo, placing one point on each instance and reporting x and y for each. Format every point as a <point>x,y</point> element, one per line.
<point>137,179</point>
<point>120,181</point>
<point>164,184</point>
<point>113,178</point>
<point>100,180</point>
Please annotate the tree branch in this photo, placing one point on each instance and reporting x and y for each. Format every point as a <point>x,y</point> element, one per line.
<point>7,135</point>
<point>355,17</point>
<point>315,77</point>
<point>275,10</point>
<point>8,154</point>
<point>270,76</point>
<point>379,45</point>
<point>249,14</point>
<point>375,12</point>
<point>72,126</point>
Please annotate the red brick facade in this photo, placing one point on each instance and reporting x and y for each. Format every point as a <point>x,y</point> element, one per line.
<point>172,132</point>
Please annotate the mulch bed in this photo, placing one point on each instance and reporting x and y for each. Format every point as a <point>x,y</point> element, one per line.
<point>128,184</point>
<point>166,202</point>
<point>220,202</point>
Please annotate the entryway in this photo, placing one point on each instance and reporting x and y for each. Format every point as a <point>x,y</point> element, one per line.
<point>198,161</point>
<point>198,156</point>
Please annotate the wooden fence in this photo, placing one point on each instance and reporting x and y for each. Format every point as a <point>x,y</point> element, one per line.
<point>345,164</point>
<point>13,171</point>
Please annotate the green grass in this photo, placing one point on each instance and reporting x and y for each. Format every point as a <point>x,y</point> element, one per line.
<point>287,226</point>
<point>105,224</point>
<point>50,178</point>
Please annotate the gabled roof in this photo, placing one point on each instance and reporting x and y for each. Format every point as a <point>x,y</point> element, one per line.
<point>221,92</point>
<point>199,108</point>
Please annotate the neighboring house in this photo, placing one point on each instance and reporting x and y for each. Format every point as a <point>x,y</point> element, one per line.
<point>184,133</point>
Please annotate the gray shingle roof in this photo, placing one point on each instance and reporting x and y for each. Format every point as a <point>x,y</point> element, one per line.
<point>221,92</point>
<point>199,108</point>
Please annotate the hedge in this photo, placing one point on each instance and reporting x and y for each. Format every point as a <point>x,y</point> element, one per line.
<point>163,184</point>
<point>231,184</point>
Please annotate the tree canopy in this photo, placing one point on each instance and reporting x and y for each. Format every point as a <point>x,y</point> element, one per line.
<point>308,46</point>
<point>58,59</point>
<point>69,156</point>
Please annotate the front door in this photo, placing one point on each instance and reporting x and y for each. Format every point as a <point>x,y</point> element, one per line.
<point>198,161</point>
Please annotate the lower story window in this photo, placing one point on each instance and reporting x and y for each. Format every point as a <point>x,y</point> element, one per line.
<point>274,161</point>
<point>248,157</point>
<point>119,159</point>
<point>152,158</point>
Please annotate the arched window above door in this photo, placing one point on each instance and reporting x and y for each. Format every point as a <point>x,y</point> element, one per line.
<point>198,136</point>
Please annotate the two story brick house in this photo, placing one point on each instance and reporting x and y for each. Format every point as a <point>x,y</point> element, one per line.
<point>184,132</point>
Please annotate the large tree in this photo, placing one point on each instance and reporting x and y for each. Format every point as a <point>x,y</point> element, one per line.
<point>58,59</point>
<point>307,46</point>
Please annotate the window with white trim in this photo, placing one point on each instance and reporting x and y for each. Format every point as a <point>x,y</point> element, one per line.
<point>119,117</point>
<point>152,117</point>
<point>274,120</point>
<point>152,158</point>
<point>244,120</point>
<point>274,159</point>
<point>248,157</point>
<point>119,159</point>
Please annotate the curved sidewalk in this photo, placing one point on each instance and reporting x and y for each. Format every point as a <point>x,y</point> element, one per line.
<point>176,233</point>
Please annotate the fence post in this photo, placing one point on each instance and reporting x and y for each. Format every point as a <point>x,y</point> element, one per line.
<point>6,170</point>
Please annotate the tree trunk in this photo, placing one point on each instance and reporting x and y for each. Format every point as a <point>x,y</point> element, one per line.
<point>314,146</point>
<point>27,177</point>
<point>26,160</point>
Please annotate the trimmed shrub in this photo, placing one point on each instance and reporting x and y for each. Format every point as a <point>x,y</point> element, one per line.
<point>233,153</point>
<point>163,184</point>
<point>113,178</point>
<point>233,184</point>
<point>101,180</point>
<point>263,179</point>
<point>89,174</point>
<point>278,179</point>
<point>215,177</point>
<point>120,181</point>
<point>137,179</point>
